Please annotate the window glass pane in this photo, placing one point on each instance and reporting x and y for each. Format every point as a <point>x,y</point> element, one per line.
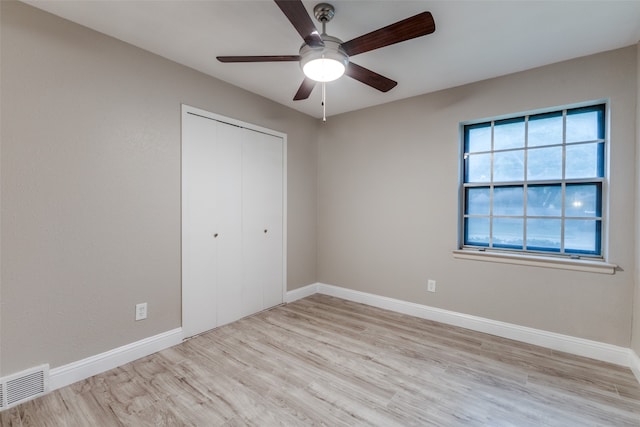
<point>476,231</point>
<point>544,163</point>
<point>585,124</point>
<point>478,168</point>
<point>508,201</point>
<point>585,161</point>
<point>508,232</point>
<point>543,234</point>
<point>544,200</point>
<point>545,129</point>
<point>477,138</point>
<point>555,203</point>
<point>508,134</point>
<point>582,200</point>
<point>508,166</point>
<point>582,236</point>
<point>478,201</point>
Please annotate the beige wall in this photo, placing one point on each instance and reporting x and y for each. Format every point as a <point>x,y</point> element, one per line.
<point>388,203</point>
<point>635,338</point>
<point>91,187</point>
<point>1,371</point>
<point>90,194</point>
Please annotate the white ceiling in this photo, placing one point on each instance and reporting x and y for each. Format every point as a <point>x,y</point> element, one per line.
<point>474,40</point>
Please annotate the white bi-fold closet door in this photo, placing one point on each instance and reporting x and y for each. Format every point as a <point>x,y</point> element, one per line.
<point>233,197</point>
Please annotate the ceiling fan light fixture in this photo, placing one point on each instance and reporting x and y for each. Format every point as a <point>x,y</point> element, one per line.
<point>324,63</point>
<point>324,69</point>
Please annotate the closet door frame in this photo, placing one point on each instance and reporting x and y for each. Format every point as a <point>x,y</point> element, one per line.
<point>190,110</point>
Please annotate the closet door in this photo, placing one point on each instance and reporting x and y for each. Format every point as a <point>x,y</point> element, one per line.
<point>262,220</point>
<point>199,225</point>
<point>232,221</point>
<point>212,223</point>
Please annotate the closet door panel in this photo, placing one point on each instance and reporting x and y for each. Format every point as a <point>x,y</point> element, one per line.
<point>200,222</point>
<point>228,183</point>
<point>253,227</point>
<point>262,219</point>
<point>273,217</point>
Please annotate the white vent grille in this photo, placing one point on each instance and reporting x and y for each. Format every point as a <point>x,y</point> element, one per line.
<point>23,386</point>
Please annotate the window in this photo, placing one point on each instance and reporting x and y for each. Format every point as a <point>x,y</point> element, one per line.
<point>534,183</point>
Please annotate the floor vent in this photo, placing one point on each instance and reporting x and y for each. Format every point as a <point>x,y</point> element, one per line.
<point>23,386</point>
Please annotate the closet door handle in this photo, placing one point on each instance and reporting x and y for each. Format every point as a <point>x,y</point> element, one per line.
<point>265,231</point>
<point>215,235</point>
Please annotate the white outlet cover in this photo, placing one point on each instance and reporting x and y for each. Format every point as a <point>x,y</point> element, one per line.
<point>141,311</point>
<point>431,285</point>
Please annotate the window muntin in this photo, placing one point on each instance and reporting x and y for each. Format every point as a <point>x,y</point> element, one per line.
<point>534,183</point>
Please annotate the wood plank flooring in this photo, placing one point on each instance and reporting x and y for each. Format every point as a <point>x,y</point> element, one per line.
<point>326,361</point>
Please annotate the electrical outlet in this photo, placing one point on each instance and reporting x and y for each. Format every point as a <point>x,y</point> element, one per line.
<point>431,285</point>
<point>141,311</point>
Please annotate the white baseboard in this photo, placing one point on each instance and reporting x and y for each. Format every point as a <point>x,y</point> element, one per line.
<point>635,364</point>
<point>85,368</point>
<point>578,346</point>
<point>302,292</point>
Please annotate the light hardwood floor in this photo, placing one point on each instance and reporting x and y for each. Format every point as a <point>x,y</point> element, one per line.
<point>326,361</point>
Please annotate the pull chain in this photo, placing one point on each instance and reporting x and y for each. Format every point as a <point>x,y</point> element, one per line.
<point>324,102</point>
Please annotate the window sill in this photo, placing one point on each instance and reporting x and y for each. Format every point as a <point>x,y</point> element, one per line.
<point>589,266</point>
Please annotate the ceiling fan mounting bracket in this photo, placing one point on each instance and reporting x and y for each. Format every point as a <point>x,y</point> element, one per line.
<point>324,12</point>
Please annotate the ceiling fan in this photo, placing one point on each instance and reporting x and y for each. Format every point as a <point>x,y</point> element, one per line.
<point>325,58</point>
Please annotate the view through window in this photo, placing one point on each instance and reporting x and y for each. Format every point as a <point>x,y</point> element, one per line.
<point>534,183</point>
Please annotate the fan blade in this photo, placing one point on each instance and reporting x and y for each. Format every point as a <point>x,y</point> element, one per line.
<point>305,89</point>
<point>266,58</point>
<point>407,29</point>
<point>296,13</point>
<point>368,77</point>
